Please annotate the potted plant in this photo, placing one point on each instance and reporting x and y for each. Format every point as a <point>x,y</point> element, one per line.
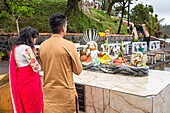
<point>1,55</point>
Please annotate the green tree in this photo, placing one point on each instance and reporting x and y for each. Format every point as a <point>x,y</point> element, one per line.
<point>141,13</point>
<point>17,9</point>
<point>144,15</point>
<point>123,4</point>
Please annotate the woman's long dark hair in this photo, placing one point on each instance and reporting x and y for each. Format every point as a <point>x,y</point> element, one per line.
<point>26,35</point>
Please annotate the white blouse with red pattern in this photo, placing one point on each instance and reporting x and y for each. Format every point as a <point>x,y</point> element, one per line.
<point>24,56</point>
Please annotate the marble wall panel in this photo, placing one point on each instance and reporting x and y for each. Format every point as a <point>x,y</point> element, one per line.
<point>97,100</point>
<point>161,103</point>
<point>126,103</point>
<point>106,103</point>
<point>94,99</point>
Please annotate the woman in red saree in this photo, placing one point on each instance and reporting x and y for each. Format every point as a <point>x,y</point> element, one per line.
<point>25,84</point>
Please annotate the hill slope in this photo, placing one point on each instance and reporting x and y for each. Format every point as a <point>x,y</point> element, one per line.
<point>166,30</point>
<point>76,22</point>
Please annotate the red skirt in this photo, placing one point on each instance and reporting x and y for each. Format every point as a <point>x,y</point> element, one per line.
<point>30,90</point>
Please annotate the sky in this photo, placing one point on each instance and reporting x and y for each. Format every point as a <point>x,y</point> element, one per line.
<point>161,7</point>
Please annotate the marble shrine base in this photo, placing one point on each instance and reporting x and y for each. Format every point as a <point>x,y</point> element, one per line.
<point>108,93</point>
<point>125,94</point>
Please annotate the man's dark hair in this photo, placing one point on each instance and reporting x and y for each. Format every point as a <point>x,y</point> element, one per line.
<point>26,35</point>
<point>56,22</point>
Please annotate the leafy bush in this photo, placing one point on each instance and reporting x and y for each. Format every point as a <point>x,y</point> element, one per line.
<point>2,53</point>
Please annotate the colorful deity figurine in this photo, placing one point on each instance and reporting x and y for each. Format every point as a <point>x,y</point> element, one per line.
<point>92,50</point>
<point>106,41</point>
<point>90,36</point>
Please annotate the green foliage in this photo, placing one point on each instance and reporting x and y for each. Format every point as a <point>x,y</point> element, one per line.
<point>98,20</point>
<point>45,9</point>
<point>4,14</point>
<point>76,22</point>
<point>153,25</point>
<point>135,40</point>
<point>42,11</point>
<point>2,53</point>
<point>144,15</point>
<point>141,13</point>
<point>15,10</point>
<point>18,8</point>
<point>23,8</point>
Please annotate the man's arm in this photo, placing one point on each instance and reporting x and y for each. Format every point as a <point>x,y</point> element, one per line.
<point>76,63</point>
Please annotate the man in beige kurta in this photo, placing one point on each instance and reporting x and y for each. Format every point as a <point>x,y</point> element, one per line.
<point>59,59</point>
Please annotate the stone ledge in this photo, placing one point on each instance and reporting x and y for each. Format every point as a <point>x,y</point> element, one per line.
<point>67,34</point>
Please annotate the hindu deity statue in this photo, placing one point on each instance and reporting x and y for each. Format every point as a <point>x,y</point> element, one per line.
<point>91,50</point>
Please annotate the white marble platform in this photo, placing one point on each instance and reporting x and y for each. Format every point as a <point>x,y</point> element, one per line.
<point>107,93</point>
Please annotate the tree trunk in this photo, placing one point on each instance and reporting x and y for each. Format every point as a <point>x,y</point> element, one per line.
<point>121,19</point>
<point>128,16</point>
<point>71,5</point>
<point>17,24</point>
<point>109,11</point>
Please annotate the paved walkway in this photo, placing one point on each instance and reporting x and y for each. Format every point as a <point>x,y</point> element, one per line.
<point>4,67</point>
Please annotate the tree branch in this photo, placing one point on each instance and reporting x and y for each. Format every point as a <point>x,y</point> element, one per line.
<point>8,7</point>
<point>19,16</point>
<point>14,18</point>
